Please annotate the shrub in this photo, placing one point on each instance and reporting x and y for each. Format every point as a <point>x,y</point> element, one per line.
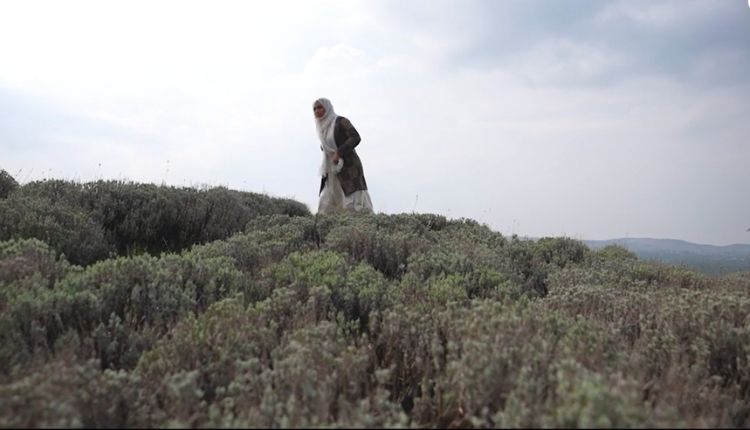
<point>302,271</point>
<point>364,320</point>
<point>134,290</point>
<point>354,291</point>
<point>560,251</point>
<point>476,282</point>
<point>25,258</point>
<point>210,345</point>
<point>496,365</point>
<point>319,380</point>
<point>205,280</point>
<point>65,228</point>
<point>290,207</point>
<point>141,218</point>
<point>228,367</point>
<point>115,309</point>
<point>100,310</point>
<point>519,262</point>
<point>244,250</point>
<point>407,347</point>
<point>363,240</point>
<point>266,240</point>
<point>65,394</point>
<point>297,233</point>
<point>475,242</point>
<point>29,270</point>
<point>437,262</point>
<point>7,184</point>
<point>586,399</point>
<point>615,252</point>
<point>28,323</point>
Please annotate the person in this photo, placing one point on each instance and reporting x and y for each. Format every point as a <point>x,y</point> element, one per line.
<point>342,184</point>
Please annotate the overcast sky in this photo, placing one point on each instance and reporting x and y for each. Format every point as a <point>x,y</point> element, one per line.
<point>590,119</point>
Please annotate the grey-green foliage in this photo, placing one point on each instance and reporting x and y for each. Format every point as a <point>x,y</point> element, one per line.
<point>65,227</point>
<point>370,321</point>
<point>7,184</point>
<point>136,218</point>
<point>112,310</point>
<point>25,258</point>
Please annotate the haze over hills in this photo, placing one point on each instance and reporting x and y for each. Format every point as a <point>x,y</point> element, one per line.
<point>710,259</point>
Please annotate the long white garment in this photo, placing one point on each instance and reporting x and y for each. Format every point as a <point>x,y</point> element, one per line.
<point>332,198</point>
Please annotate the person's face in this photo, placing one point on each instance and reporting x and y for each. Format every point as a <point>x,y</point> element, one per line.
<point>319,110</point>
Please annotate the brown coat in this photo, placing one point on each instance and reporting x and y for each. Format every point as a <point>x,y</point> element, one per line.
<point>352,176</point>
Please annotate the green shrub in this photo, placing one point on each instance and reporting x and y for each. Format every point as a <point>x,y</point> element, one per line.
<point>289,207</point>
<point>65,228</point>
<point>475,242</point>
<point>407,346</point>
<point>302,271</point>
<point>116,309</point>
<point>354,321</point>
<point>354,290</point>
<point>363,240</point>
<point>209,344</point>
<point>134,290</point>
<point>297,233</point>
<point>476,282</point>
<point>65,394</point>
<point>520,263</point>
<point>492,365</point>
<point>585,399</point>
<point>267,239</point>
<point>319,380</point>
<point>28,323</point>
<point>228,367</point>
<point>615,252</point>
<point>7,184</point>
<point>25,258</point>
<point>141,218</point>
<point>244,250</point>
<point>439,262</point>
<point>561,251</point>
<point>205,280</point>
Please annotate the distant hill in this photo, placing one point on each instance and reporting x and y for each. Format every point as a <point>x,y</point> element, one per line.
<point>709,259</point>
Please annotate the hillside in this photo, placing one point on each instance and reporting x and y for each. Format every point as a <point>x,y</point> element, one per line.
<point>709,259</point>
<point>273,317</point>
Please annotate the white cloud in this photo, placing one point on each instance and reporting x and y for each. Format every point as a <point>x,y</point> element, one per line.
<point>661,15</point>
<point>563,62</point>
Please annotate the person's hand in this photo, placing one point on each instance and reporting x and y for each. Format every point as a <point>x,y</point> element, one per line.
<point>335,158</point>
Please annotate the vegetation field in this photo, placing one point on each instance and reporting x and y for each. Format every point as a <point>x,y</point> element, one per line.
<point>135,305</point>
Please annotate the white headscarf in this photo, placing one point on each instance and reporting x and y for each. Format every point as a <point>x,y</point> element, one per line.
<point>325,127</point>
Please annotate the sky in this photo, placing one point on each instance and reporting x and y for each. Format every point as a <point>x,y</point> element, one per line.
<point>590,119</point>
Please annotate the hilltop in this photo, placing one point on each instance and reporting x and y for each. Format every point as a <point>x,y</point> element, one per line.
<point>134,305</point>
